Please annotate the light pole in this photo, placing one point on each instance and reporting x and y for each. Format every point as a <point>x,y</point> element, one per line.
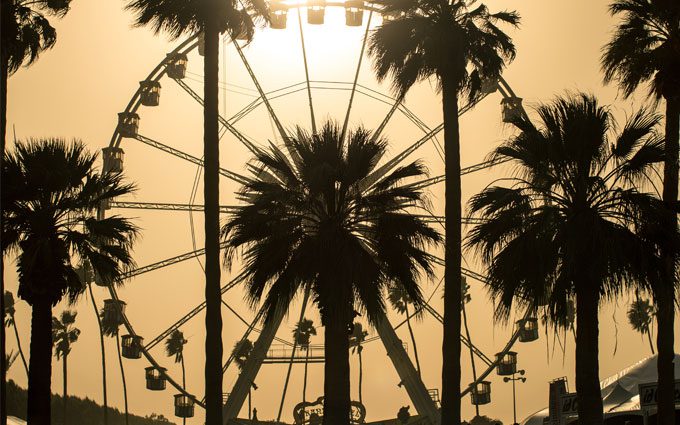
<point>514,400</point>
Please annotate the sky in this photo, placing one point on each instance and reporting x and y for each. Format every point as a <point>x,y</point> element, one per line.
<point>76,90</point>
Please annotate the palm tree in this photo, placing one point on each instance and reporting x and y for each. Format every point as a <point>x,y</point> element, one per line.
<point>110,326</point>
<point>460,47</point>
<point>50,193</point>
<point>25,32</point>
<point>641,316</point>
<point>11,321</point>
<point>174,347</point>
<point>211,17</point>
<point>549,233</point>
<point>310,223</point>
<point>645,48</point>
<point>399,300</point>
<point>304,329</point>
<point>64,335</point>
<point>356,341</point>
<point>240,353</point>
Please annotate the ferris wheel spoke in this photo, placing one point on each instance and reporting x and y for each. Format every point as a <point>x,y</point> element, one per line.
<point>164,263</point>
<point>356,75</point>
<point>479,353</point>
<point>184,319</point>
<point>240,136</point>
<point>224,209</point>
<point>304,59</point>
<point>185,156</point>
<point>378,131</point>
<point>263,95</point>
<point>467,170</point>
<point>430,218</point>
<point>391,164</point>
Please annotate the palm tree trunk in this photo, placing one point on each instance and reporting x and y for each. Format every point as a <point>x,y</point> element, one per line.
<point>589,397</point>
<point>665,307</point>
<point>40,369</point>
<point>122,376</point>
<point>101,343</point>
<point>451,349</point>
<point>304,385</point>
<point>649,338</point>
<point>413,338</point>
<point>361,378</point>
<point>21,351</point>
<point>184,382</point>
<point>336,403</point>
<point>472,355</point>
<point>65,373</point>
<point>213,317</point>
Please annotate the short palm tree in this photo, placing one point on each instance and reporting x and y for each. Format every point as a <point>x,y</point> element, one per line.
<point>174,347</point>
<point>399,300</point>
<point>51,191</point>
<point>64,335</point>
<point>356,341</point>
<point>308,223</point>
<point>110,326</point>
<point>641,317</point>
<point>461,46</point>
<point>241,353</point>
<point>211,17</point>
<point>303,332</point>
<point>645,48</point>
<point>11,321</point>
<point>547,236</point>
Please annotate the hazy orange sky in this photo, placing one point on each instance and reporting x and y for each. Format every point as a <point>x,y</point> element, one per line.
<point>76,89</point>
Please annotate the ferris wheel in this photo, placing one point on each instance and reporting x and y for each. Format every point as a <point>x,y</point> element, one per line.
<point>173,69</point>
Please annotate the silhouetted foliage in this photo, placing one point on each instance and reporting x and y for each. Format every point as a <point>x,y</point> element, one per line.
<point>308,224</point>
<point>85,410</point>
<point>547,236</point>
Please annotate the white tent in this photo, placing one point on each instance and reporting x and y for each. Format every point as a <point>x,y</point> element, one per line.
<point>619,391</point>
<point>11,420</point>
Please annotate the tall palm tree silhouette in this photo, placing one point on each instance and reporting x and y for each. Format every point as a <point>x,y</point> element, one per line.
<point>641,316</point>
<point>645,48</point>
<point>174,347</point>
<point>211,17</point>
<point>356,341</point>
<point>51,191</point>
<point>309,223</point>
<point>64,335</point>
<point>303,332</point>
<point>460,47</point>
<point>110,326</point>
<point>11,321</point>
<point>25,32</point>
<point>547,236</point>
<point>241,352</point>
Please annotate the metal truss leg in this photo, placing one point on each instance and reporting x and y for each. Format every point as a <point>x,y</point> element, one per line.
<point>415,388</point>
<point>239,393</point>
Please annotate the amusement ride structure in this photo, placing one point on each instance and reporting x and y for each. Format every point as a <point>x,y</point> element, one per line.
<point>172,69</point>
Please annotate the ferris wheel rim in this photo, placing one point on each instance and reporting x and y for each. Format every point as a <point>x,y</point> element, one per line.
<point>188,45</point>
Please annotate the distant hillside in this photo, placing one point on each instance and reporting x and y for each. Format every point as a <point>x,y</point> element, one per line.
<point>81,411</point>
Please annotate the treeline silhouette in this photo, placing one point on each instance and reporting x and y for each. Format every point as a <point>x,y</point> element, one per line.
<point>81,411</point>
